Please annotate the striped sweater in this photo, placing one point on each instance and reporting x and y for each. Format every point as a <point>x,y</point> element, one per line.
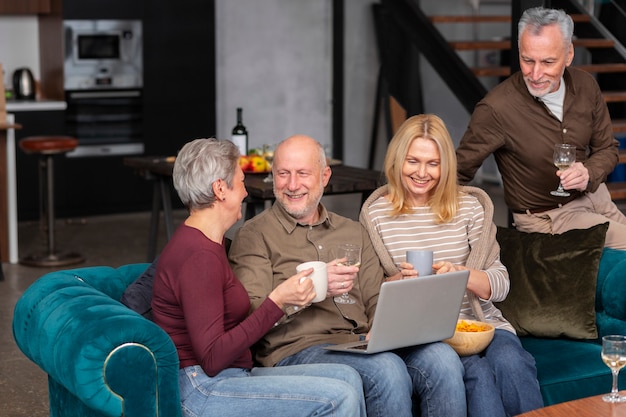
<point>468,239</point>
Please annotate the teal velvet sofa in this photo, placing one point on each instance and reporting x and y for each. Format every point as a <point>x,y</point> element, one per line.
<point>102,359</point>
<point>569,369</point>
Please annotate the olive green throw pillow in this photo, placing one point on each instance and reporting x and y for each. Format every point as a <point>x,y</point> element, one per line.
<point>553,281</point>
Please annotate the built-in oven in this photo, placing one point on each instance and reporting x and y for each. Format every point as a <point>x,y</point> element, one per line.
<point>103,81</point>
<point>105,122</point>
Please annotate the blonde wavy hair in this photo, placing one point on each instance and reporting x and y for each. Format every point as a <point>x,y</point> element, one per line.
<point>444,199</point>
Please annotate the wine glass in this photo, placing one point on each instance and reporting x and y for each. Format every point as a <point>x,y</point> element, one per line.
<point>348,255</point>
<point>614,356</point>
<point>564,156</point>
<point>268,154</point>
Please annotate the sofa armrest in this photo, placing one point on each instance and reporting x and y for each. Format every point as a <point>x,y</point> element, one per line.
<point>611,293</point>
<point>117,279</point>
<point>109,357</point>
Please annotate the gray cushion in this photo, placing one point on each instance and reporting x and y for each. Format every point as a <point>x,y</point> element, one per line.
<point>138,295</point>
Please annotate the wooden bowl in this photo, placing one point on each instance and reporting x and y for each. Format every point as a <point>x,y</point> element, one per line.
<point>467,343</point>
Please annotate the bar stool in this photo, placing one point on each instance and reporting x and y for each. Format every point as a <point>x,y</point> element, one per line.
<point>46,147</point>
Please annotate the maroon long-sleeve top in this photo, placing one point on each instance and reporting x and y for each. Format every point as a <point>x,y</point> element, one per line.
<point>204,308</point>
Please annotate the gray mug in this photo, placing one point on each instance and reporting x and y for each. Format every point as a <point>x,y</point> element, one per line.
<point>422,261</point>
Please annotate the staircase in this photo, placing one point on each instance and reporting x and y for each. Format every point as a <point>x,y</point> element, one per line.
<point>606,56</point>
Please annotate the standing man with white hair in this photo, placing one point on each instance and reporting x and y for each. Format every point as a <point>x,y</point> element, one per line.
<point>546,103</point>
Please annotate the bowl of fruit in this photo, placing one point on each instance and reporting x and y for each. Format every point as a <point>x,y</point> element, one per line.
<point>254,163</point>
<point>471,337</point>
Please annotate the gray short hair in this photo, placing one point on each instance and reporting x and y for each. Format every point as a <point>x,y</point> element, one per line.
<point>198,165</point>
<point>536,18</point>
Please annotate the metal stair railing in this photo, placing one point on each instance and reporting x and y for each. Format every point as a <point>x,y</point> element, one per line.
<point>596,29</point>
<point>435,48</point>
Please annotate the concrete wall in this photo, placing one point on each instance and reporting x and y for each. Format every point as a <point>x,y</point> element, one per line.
<point>274,59</point>
<point>19,45</point>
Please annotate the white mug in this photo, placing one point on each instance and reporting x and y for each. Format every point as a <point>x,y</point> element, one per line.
<point>319,276</point>
<point>422,261</point>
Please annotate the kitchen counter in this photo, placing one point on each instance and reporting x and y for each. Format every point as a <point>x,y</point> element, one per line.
<point>7,126</point>
<point>35,105</point>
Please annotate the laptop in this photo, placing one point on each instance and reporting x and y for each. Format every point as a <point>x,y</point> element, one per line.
<point>413,312</point>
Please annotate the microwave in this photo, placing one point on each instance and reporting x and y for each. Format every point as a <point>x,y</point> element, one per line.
<point>103,54</point>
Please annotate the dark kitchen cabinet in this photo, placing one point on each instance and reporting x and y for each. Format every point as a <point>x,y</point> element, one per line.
<point>102,185</point>
<point>102,9</point>
<point>179,73</point>
<point>83,186</point>
<point>24,6</point>
<point>179,65</point>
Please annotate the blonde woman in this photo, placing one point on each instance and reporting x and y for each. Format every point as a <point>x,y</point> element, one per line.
<point>422,207</point>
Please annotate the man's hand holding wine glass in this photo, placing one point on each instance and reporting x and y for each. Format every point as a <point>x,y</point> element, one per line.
<point>576,177</point>
<point>340,278</point>
<point>564,157</point>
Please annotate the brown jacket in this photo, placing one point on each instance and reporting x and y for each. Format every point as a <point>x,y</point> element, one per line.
<point>521,133</point>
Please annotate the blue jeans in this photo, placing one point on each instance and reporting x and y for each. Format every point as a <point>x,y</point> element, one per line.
<point>433,372</point>
<point>320,390</point>
<point>437,375</point>
<point>502,380</point>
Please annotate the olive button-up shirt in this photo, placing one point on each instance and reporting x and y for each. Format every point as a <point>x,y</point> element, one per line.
<point>266,251</point>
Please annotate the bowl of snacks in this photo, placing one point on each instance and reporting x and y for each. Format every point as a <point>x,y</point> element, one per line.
<point>470,337</point>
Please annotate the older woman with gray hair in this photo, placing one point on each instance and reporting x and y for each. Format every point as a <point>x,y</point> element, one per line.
<point>204,308</point>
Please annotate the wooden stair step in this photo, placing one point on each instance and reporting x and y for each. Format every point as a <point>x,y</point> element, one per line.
<point>617,190</point>
<point>603,68</point>
<point>478,45</point>
<point>619,125</point>
<point>505,44</point>
<point>470,19</point>
<point>506,71</point>
<point>491,71</point>
<point>614,96</point>
<point>578,18</point>
<point>593,43</point>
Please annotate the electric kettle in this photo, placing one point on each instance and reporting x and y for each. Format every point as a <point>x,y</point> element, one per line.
<point>23,84</point>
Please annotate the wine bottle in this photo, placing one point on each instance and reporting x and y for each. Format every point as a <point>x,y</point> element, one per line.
<point>240,134</point>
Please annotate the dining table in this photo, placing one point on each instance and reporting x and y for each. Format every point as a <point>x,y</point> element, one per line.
<point>158,169</point>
